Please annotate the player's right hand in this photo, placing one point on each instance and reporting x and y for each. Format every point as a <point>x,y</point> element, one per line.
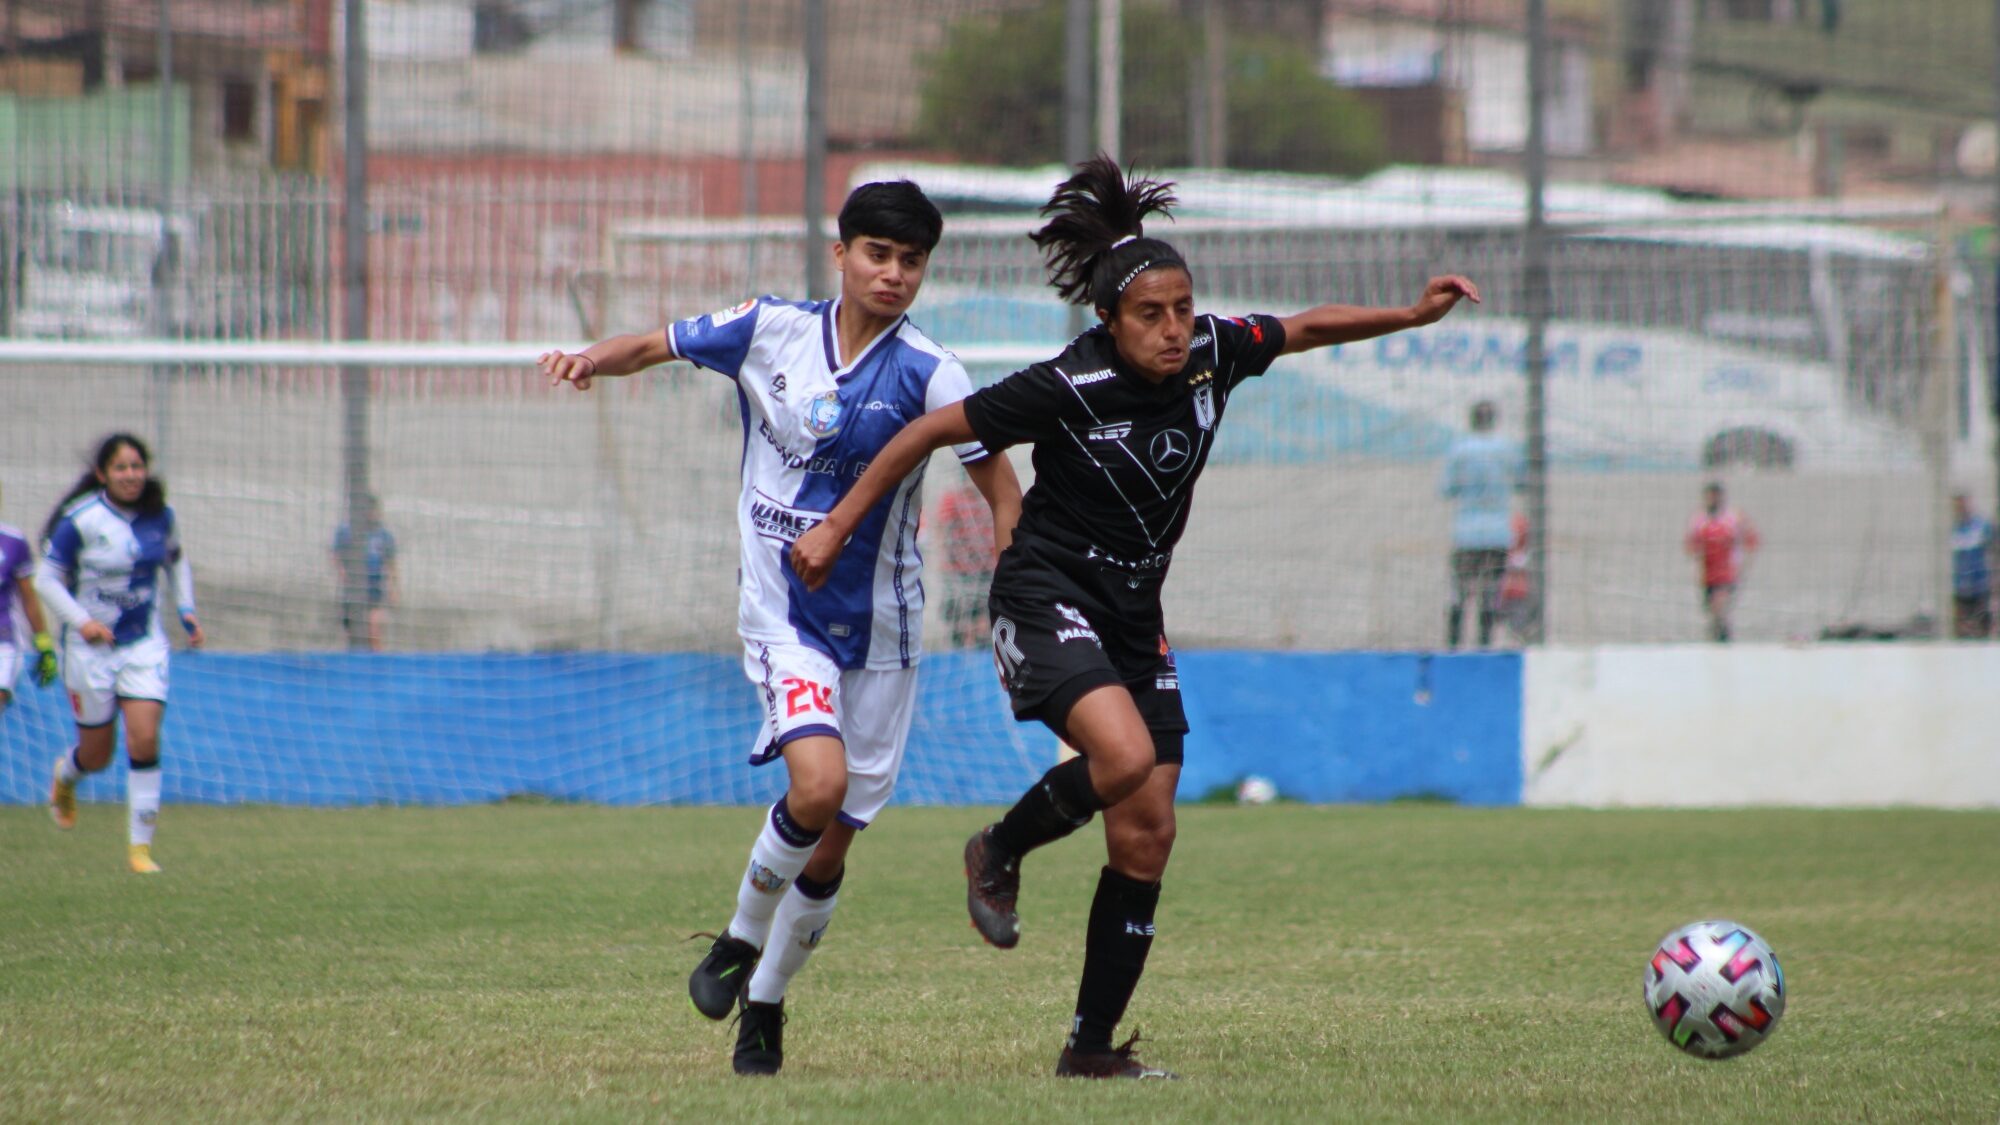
<point>45,660</point>
<point>95,632</point>
<point>573,368</point>
<point>814,554</point>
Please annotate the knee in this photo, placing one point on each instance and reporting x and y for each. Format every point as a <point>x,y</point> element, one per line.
<point>1142,850</point>
<point>815,799</point>
<point>1117,773</point>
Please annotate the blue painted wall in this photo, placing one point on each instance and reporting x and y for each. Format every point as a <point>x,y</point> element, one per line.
<point>341,729</point>
<point>1356,726</point>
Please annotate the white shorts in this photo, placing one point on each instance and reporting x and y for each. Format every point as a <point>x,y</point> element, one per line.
<point>10,665</point>
<point>804,693</point>
<point>98,676</point>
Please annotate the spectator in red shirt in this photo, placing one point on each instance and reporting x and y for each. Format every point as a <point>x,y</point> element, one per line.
<point>1721,539</point>
<point>1517,606</point>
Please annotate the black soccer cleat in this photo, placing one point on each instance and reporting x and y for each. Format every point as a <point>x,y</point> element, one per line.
<point>723,976</point>
<point>760,1038</point>
<point>1115,1063</point>
<point>992,886</point>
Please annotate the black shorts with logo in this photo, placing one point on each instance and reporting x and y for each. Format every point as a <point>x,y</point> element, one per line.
<point>1065,625</point>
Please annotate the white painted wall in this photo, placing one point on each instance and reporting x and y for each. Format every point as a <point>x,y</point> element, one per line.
<point>1707,725</point>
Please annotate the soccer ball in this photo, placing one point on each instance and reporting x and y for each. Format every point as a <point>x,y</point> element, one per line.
<point>1254,790</point>
<point>1714,989</point>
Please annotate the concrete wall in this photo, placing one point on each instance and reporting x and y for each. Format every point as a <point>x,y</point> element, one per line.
<point>1827,725</point>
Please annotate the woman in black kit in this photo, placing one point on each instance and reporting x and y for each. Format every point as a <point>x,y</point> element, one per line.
<point>1122,423</point>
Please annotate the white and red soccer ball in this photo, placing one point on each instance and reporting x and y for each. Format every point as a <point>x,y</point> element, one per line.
<point>1714,989</point>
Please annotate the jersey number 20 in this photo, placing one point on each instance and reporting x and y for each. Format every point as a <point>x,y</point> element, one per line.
<point>806,696</point>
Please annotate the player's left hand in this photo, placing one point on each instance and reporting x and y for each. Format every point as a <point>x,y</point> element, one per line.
<point>196,637</point>
<point>814,554</point>
<point>45,660</point>
<point>1441,295</point>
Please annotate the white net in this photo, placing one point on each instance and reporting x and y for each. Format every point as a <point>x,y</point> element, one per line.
<point>1823,370</point>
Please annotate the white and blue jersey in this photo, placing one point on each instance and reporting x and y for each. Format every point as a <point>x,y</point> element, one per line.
<point>105,564</point>
<point>810,428</point>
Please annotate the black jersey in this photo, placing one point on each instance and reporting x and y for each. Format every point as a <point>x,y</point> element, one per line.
<point>1116,455</point>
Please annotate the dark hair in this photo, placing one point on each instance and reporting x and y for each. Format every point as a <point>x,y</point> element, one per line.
<point>1095,239</point>
<point>151,499</point>
<point>1484,413</point>
<point>893,209</point>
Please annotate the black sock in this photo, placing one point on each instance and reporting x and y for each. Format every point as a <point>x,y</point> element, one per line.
<point>1114,954</point>
<point>1451,627</point>
<point>1057,805</point>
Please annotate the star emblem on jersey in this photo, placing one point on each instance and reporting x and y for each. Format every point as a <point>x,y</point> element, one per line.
<point>823,415</point>
<point>1170,450</point>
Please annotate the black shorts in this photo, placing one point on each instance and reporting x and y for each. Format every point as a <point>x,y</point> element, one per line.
<point>1064,626</point>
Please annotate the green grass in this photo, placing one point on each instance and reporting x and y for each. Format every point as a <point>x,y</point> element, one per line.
<point>1414,963</point>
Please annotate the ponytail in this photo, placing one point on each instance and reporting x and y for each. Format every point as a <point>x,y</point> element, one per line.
<point>84,485</point>
<point>1095,240</point>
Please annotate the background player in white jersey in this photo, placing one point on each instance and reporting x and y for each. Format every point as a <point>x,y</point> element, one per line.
<point>1122,423</point>
<point>822,385</point>
<point>17,575</point>
<point>111,541</point>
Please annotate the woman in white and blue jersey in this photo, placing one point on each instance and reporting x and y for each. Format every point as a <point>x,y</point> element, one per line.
<point>110,543</point>
<point>821,387</point>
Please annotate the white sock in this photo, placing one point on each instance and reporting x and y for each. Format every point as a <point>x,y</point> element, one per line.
<point>142,798</point>
<point>780,853</point>
<point>801,921</point>
<point>66,766</point>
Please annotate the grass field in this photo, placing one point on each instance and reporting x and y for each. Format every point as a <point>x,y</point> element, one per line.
<point>1414,962</point>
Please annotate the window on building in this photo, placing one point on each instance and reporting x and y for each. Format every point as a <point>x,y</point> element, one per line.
<point>239,110</point>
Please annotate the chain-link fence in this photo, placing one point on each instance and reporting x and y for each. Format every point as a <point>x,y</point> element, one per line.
<point>1767,245</point>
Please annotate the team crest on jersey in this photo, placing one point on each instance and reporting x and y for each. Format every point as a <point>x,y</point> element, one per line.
<point>823,415</point>
<point>1204,406</point>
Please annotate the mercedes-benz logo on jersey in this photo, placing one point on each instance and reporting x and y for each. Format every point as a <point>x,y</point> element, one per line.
<point>1170,450</point>
<point>823,415</point>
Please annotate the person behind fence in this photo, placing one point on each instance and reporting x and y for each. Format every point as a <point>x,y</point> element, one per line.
<point>1972,551</point>
<point>1721,540</point>
<point>1517,586</point>
<point>821,386</point>
<point>1122,423</point>
<point>112,540</point>
<point>1482,471</point>
<point>378,590</point>
<point>965,531</point>
<point>17,588</point>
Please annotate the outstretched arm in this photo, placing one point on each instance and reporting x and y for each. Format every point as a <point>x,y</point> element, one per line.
<point>620,355</point>
<point>1328,325</point>
<point>817,550</point>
